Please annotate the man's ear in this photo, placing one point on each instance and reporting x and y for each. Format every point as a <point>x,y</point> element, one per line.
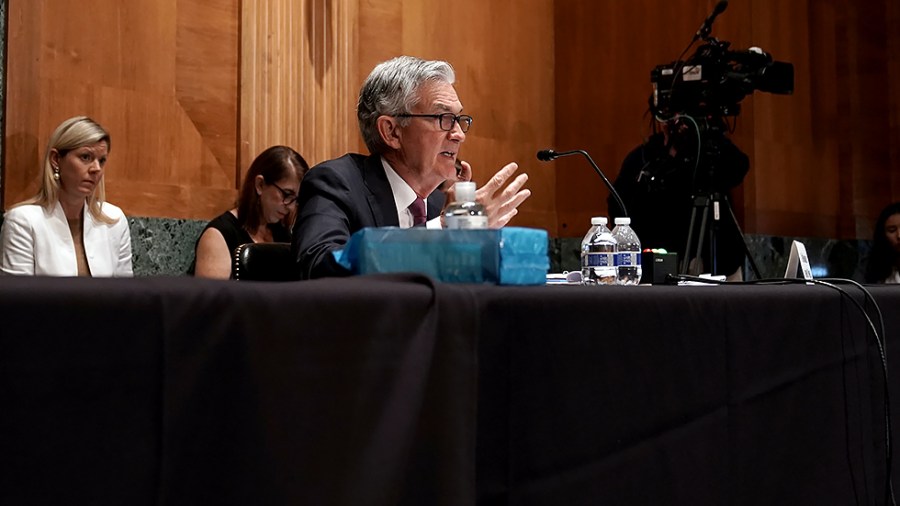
<point>389,130</point>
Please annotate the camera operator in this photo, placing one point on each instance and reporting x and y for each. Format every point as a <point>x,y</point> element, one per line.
<point>672,181</point>
<point>660,179</point>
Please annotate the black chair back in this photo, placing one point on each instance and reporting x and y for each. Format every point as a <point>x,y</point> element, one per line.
<point>264,261</point>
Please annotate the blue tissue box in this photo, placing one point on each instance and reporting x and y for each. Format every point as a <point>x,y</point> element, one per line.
<point>508,256</point>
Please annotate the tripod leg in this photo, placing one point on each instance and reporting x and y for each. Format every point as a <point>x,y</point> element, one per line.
<point>737,227</point>
<point>686,259</point>
<point>713,234</point>
<point>698,266</point>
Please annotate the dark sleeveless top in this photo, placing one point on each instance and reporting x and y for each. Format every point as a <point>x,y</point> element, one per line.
<point>235,235</point>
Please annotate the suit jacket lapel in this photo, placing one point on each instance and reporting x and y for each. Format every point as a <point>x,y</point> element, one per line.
<point>380,196</point>
<point>435,204</point>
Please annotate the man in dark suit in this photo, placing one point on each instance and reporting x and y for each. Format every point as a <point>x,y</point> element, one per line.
<point>411,120</point>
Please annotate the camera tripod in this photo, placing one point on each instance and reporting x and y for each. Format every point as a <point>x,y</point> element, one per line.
<point>705,204</point>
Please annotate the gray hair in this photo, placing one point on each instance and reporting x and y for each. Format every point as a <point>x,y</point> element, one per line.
<point>392,88</point>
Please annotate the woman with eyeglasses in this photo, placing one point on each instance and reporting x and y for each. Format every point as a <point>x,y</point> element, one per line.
<point>265,209</point>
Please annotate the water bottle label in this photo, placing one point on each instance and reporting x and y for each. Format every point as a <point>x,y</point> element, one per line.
<point>466,222</point>
<point>628,258</point>
<point>599,260</point>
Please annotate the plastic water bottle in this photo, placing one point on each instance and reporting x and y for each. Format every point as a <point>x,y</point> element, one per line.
<point>628,253</point>
<point>587,238</point>
<point>597,266</point>
<point>465,212</point>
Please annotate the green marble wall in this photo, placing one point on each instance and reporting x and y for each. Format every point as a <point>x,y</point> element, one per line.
<point>163,246</point>
<point>827,257</point>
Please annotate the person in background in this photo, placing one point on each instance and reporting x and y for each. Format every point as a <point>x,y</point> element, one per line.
<point>883,265</point>
<point>659,180</point>
<point>412,123</point>
<point>264,212</point>
<point>68,229</point>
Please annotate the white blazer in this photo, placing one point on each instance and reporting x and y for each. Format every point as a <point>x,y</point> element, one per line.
<point>37,241</point>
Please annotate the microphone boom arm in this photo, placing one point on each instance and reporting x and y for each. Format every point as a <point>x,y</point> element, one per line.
<point>706,27</point>
<point>549,155</point>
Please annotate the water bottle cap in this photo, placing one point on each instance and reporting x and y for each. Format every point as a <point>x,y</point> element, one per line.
<point>623,221</point>
<point>599,220</point>
<point>465,191</point>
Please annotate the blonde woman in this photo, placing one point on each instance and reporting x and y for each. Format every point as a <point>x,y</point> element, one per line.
<point>67,229</point>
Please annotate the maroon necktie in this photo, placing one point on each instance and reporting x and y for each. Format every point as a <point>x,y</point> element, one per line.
<point>417,208</point>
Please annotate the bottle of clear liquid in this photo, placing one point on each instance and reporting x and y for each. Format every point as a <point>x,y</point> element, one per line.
<point>597,265</point>
<point>587,238</point>
<point>465,212</point>
<point>628,253</point>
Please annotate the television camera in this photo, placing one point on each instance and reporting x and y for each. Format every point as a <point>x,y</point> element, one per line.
<point>701,92</point>
<point>713,81</point>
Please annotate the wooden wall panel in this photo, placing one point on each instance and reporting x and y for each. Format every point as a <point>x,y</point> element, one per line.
<point>160,76</point>
<point>22,149</point>
<point>298,77</point>
<point>604,54</point>
<point>892,19</point>
<point>192,89</point>
<point>205,80</point>
<point>838,133</point>
<point>823,160</point>
<point>502,52</point>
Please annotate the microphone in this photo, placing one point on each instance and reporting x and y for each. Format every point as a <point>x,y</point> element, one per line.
<point>548,155</point>
<point>706,27</point>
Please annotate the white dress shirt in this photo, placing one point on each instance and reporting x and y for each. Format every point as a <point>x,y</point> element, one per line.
<point>37,241</point>
<point>404,195</point>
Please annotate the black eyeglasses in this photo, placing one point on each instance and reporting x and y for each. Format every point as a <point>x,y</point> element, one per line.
<point>446,120</point>
<point>287,197</point>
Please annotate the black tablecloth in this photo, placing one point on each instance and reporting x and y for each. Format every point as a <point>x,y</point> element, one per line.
<point>679,395</point>
<point>181,391</point>
<point>397,390</point>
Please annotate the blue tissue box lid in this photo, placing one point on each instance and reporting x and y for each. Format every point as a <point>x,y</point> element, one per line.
<point>509,256</point>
